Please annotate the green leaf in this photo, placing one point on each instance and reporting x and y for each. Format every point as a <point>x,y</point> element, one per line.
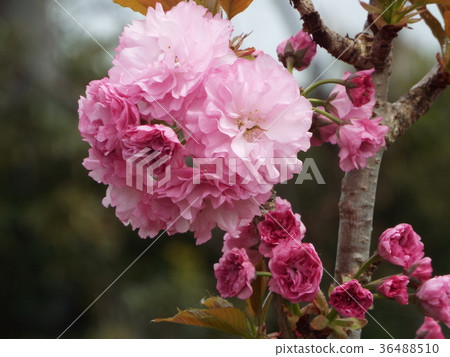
<point>143,5</point>
<point>219,316</point>
<point>319,322</point>
<point>234,7</point>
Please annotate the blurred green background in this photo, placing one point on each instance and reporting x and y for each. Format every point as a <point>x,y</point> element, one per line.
<point>60,248</point>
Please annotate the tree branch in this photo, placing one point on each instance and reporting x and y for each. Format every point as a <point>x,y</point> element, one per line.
<point>416,103</point>
<point>352,51</point>
<point>282,320</point>
<point>382,46</point>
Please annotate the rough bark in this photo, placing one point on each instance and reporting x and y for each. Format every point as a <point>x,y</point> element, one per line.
<point>352,51</point>
<point>414,104</point>
<point>358,190</point>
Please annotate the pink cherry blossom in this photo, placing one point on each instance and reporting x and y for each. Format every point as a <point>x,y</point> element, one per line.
<point>360,88</point>
<point>344,108</point>
<point>247,238</point>
<point>106,112</point>
<point>430,329</point>
<point>323,129</point>
<point>359,139</point>
<point>400,245</point>
<point>234,274</point>
<point>420,271</point>
<point>300,47</point>
<point>160,140</point>
<point>278,226</point>
<point>210,199</point>
<point>351,300</point>
<point>252,115</point>
<point>296,271</point>
<point>168,68</point>
<point>434,298</point>
<point>395,287</point>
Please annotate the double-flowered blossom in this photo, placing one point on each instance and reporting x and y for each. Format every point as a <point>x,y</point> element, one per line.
<point>351,300</point>
<point>359,139</point>
<point>360,88</point>
<point>420,271</point>
<point>234,273</point>
<point>179,105</point>
<point>395,287</point>
<point>278,226</point>
<point>434,298</point>
<point>296,271</point>
<point>254,119</point>
<point>359,136</point>
<point>167,56</point>
<point>401,246</point>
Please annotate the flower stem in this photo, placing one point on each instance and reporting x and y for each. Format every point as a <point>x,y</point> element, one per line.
<point>315,101</point>
<point>290,61</point>
<point>375,257</point>
<point>322,82</point>
<point>329,116</point>
<point>332,315</point>
<point>263,273</point>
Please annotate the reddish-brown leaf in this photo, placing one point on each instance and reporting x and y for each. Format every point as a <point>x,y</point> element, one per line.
<point>234,7</point>
<point>143,5</point>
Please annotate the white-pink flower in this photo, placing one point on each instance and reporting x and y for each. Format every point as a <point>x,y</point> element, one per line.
<point>168,54</point>
<point>252,112</point>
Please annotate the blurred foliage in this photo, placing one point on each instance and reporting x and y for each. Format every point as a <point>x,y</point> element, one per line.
<point>60,248</point>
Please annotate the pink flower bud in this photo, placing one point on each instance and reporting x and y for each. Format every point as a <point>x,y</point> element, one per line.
<point>420,271</point>
<point>358,140</point>
<point>234,274</point>
<point>434,298</point>
<point>247,238</point>
<point>300,47</point>
<point>360,88</point>
<point>430,329</point>
<point>400,245</point>
<point>395,287</point>
<point>351,300</point>
<point>296,271</point>
<point>279,225</point>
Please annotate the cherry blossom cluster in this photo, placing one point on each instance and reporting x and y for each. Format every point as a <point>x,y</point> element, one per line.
<point>295,266</point>
<point>401,246</point>
<point>358,134</point>
<point>173,99</point>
